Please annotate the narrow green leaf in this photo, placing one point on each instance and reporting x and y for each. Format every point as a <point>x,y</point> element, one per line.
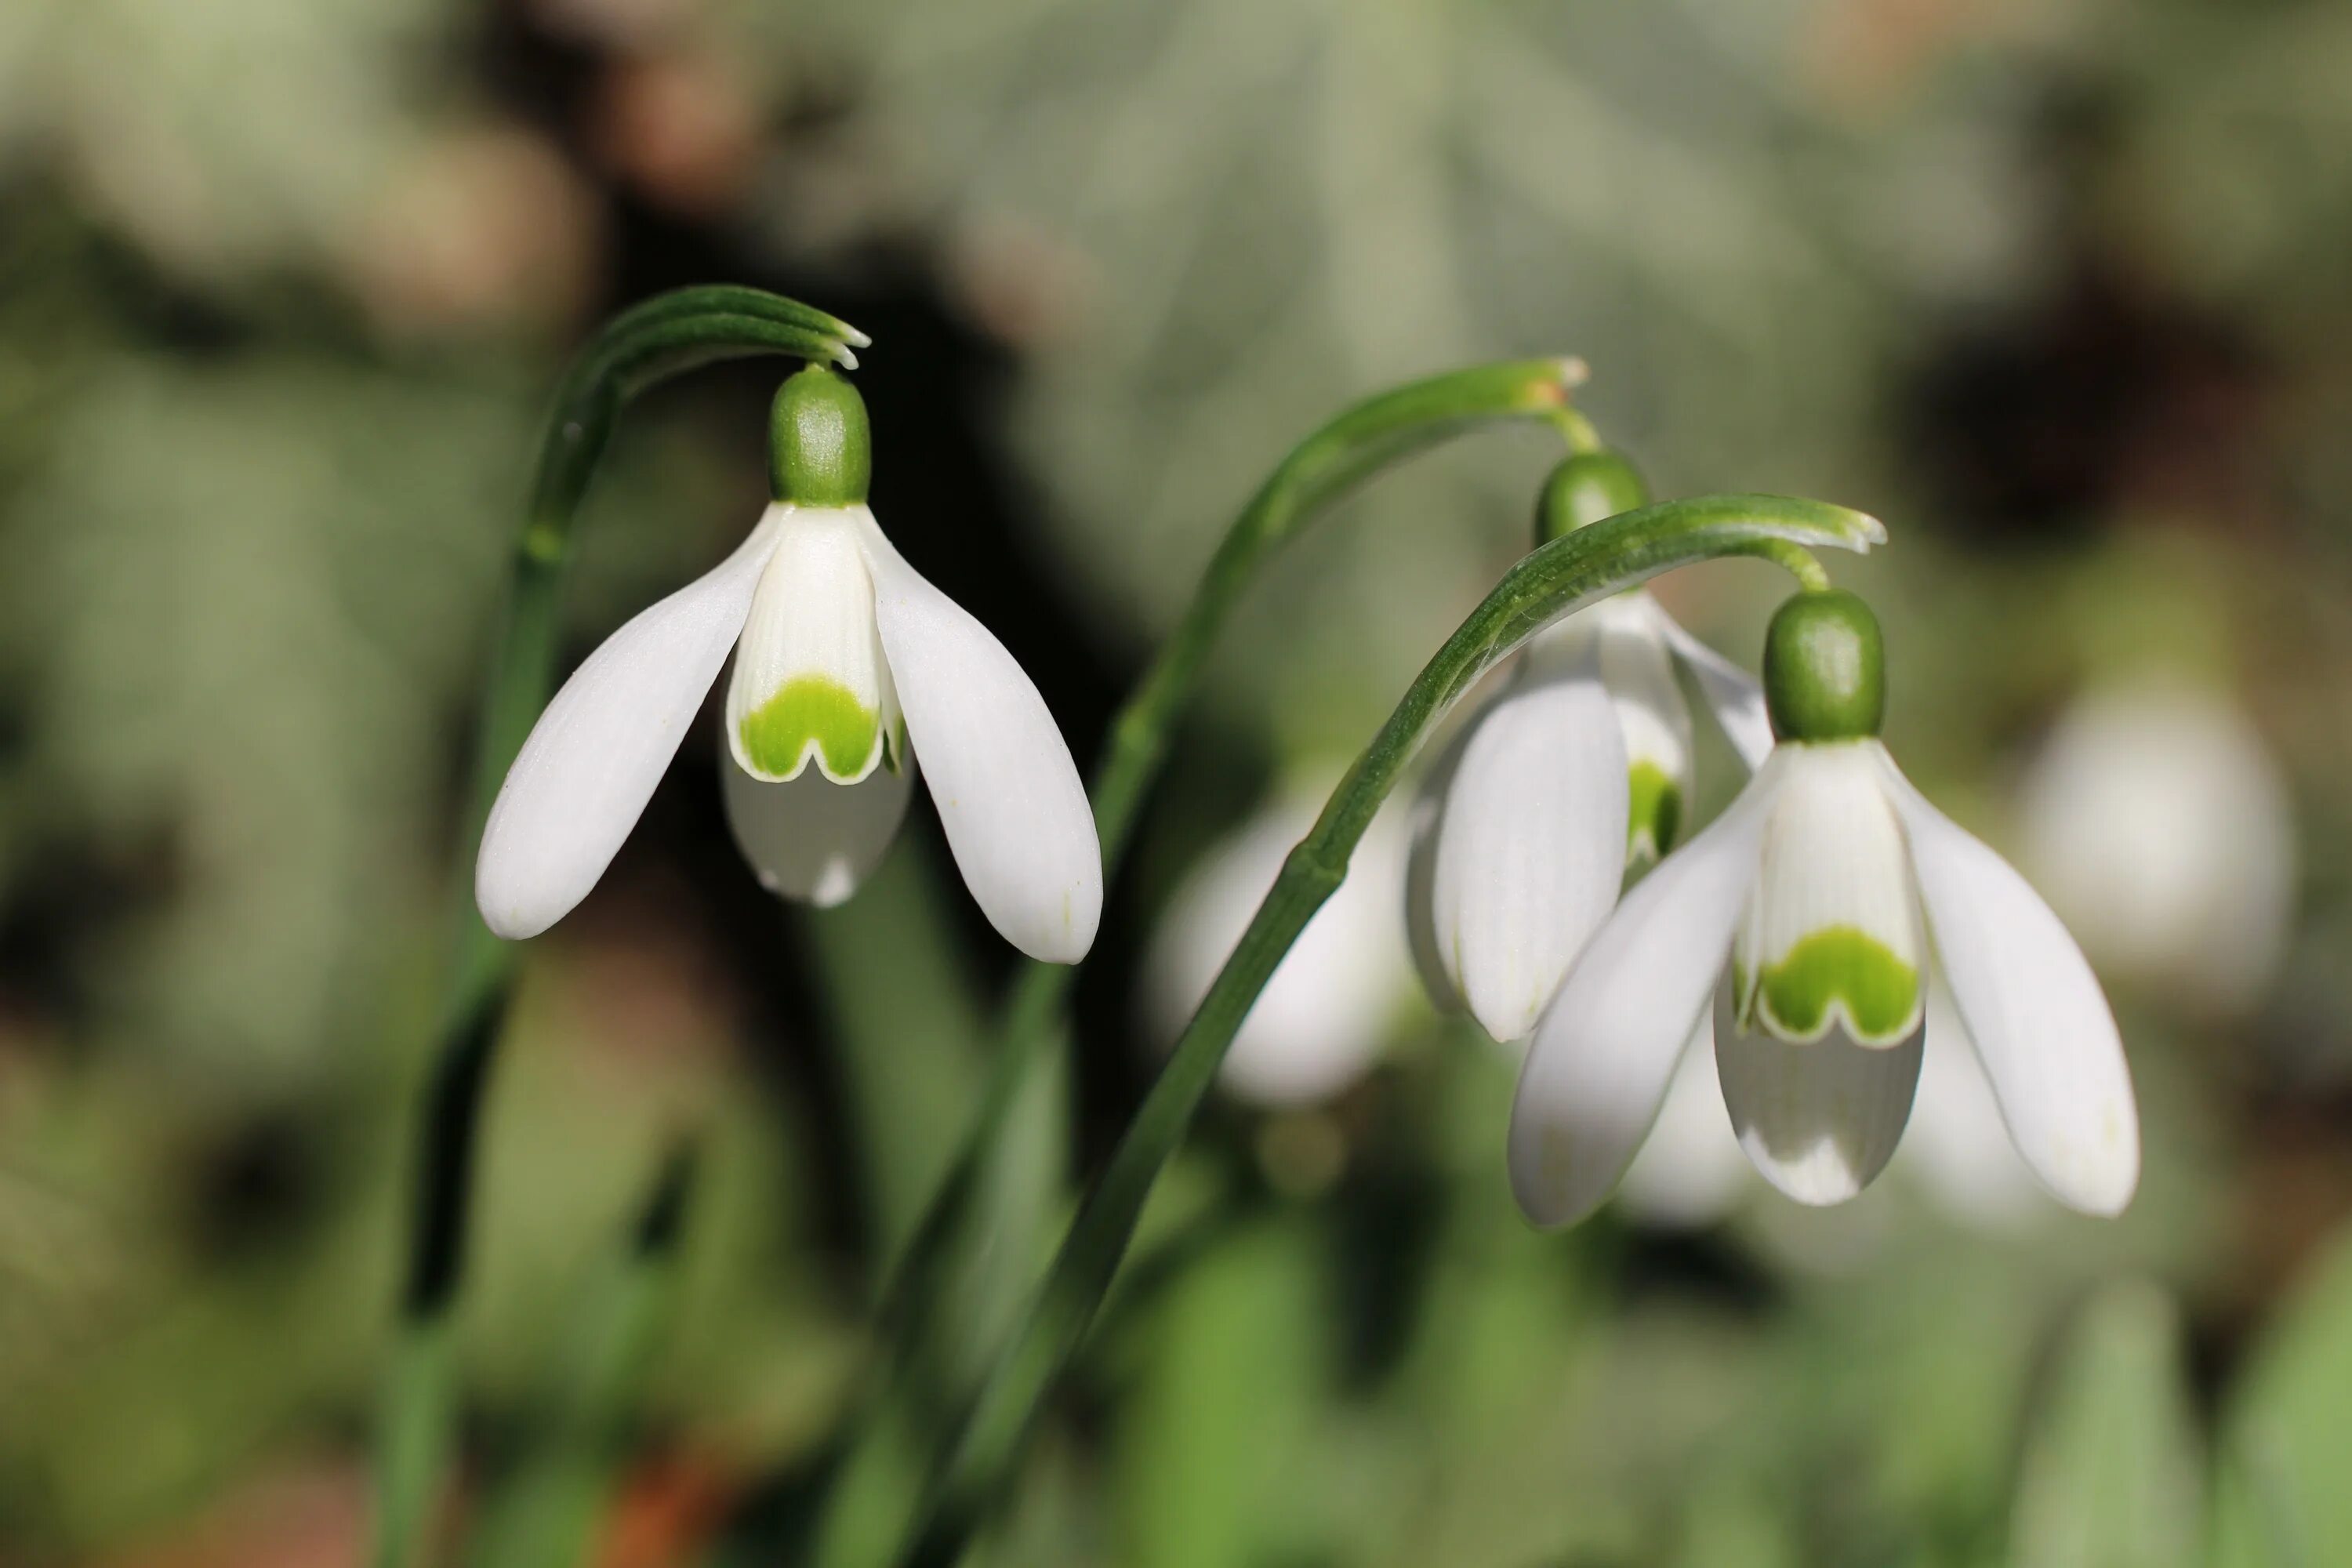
<point>2280,1496</point>
<point>2112,1473</point>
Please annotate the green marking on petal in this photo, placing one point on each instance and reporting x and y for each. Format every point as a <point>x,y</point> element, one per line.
<point>1654,813</point>
<point>1840,966</point>
<point>810,710</point>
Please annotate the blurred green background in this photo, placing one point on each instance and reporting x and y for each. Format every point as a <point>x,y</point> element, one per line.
<point>2060,288</point>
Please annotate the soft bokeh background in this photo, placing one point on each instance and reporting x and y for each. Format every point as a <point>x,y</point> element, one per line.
<point>2058,288</point>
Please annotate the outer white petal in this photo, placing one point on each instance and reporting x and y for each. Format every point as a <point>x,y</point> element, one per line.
<point>1957,1146</point>
<point>1321,1022</point>
<point>1689,1173</point>
<point>591,763</point>
<point>1734,696</point>
<point>999,771</point>
<point>1529,845</point>
<point>1608,1044</point>
<point>810,838</point>
<point>2033,1008</point>
<point>1420,870</point>
<point>1818,1119</point>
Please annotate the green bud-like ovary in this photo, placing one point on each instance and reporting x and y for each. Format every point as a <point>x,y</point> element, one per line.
<point>1825,669</point>
<point>820,447</point>
<point>1585,489</point>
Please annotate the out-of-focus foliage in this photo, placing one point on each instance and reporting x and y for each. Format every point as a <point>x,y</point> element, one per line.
<point>2058,288</point>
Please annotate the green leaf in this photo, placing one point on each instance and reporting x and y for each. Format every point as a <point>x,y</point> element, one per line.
<point>2280,1496</point>
<point>2112,1470</point>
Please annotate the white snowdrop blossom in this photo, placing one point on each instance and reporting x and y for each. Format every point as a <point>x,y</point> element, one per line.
<point>1805,918</point>
<point>1576,772</point>
<point>1321,1022</point>
<point>848,667</point>
<point>2155,821</point>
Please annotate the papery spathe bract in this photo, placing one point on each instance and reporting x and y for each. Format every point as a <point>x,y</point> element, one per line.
<point>848,664</point>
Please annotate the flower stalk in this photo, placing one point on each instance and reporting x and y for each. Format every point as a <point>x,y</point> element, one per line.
<point>1554,580</point>
<point>639,349</point>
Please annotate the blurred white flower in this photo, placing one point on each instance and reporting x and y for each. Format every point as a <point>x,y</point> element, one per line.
<point>1321,1020</point>
<point>1577,770</point>
<point>2155,822</point>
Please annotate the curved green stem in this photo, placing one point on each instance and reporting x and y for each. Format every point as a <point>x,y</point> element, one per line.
<point>665,336</point>
<point>1554,580</point>
<point>1320,471</point>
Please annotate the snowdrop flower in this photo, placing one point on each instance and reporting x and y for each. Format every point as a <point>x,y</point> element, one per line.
<point>1808,912</point>
<point>1319,1024</point>
<point>848,665</point>
<point>1578,769</point>
<point>2158,824</point>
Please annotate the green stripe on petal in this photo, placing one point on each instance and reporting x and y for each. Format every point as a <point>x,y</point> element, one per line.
<point>811,712</point>
<point>1654,815</point>
<point>1844,968</point>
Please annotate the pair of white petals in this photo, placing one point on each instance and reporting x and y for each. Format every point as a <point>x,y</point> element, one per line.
<point>1520,839</point>
<point>1821,1118</point>
<point>1008,794</point>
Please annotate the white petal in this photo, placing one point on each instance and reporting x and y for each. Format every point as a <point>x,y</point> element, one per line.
<point>1690,1172</point>
<point>1956,1147</point>
<point>1818,1119</point>
<point>1634,665</point>
<point>1529,845</point>
<point>810,683</point>
<point>1420,871</point>
<point>591,763</point>
<point>1608,1042</point>
<point>2033,1008</point>
<point>999,771</point>
<point>1735,697</point>
<point>1832,944</point>
<point>810,838</point>
<point>1321,1022</point>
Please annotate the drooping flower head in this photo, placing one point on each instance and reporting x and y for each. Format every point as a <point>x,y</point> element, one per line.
<point>1806,917</point>
<point>1576,771</point>
<point>848,665</point>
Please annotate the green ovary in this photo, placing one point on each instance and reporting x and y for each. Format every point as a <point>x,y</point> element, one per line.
<point>1840,965</point>
<point>810,710</point>
<point>1655,813</point>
